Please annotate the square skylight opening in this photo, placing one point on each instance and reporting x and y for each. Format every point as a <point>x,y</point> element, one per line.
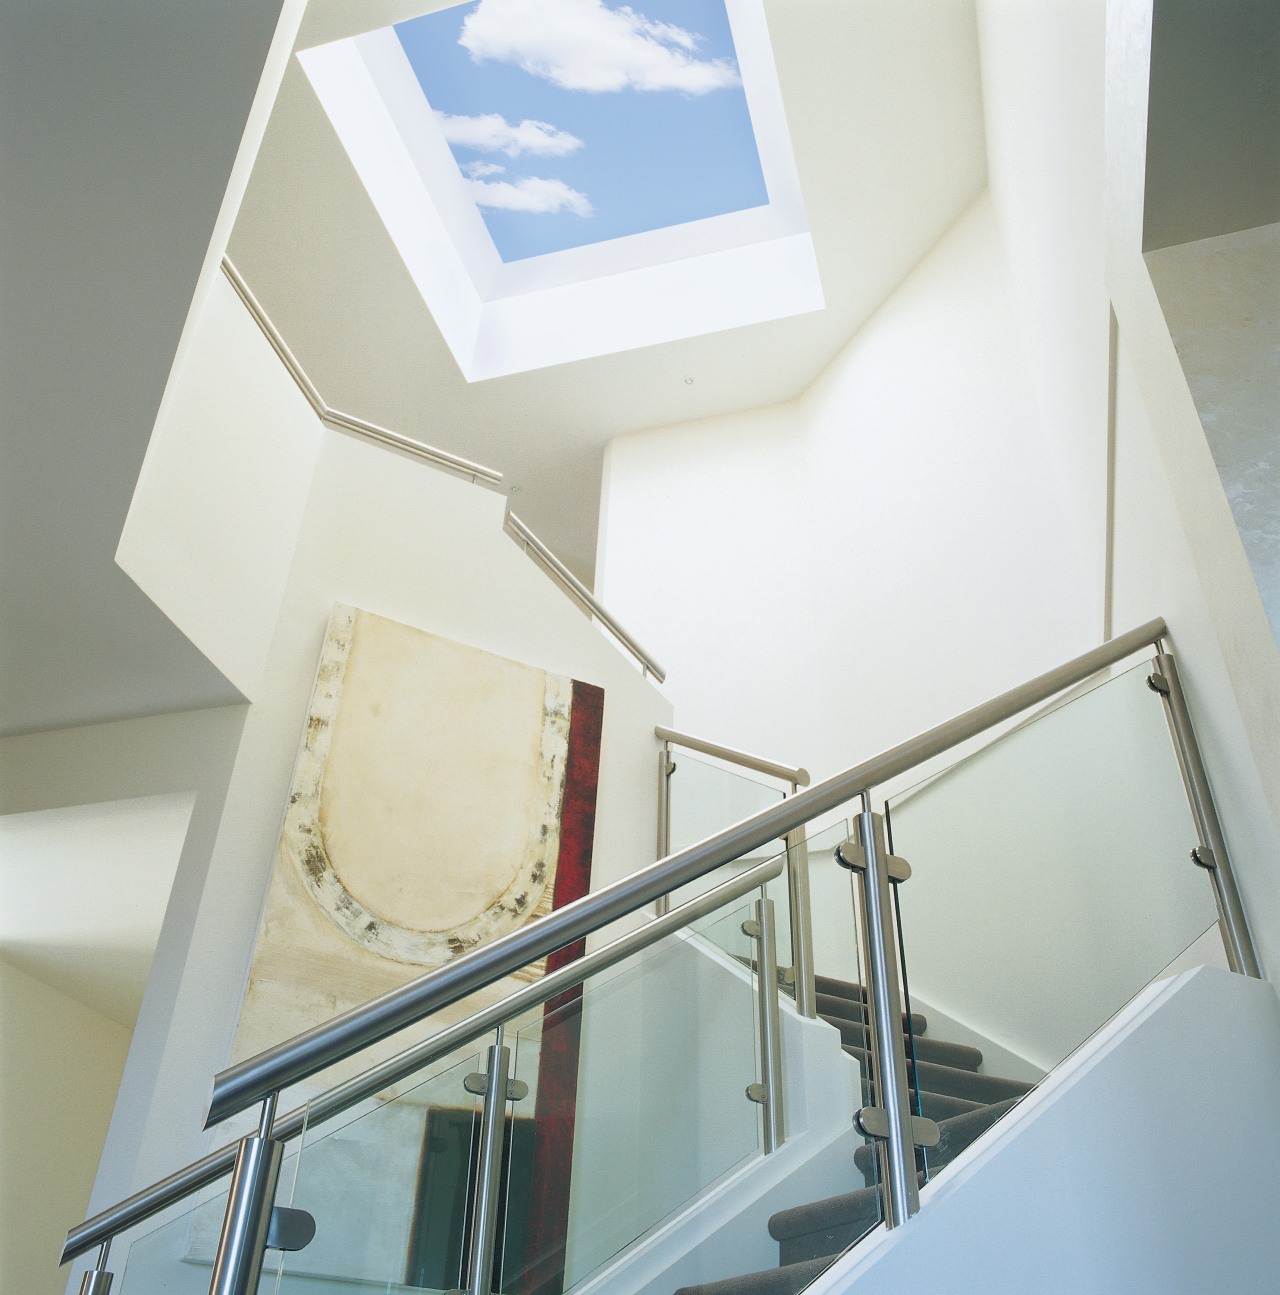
<point>571,178</point>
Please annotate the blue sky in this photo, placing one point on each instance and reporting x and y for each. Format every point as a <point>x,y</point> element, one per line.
<point>577,121</point>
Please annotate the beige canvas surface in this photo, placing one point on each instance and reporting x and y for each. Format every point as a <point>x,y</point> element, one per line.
<point>423,819</point>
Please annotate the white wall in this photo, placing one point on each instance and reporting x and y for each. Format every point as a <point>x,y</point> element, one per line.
<point>829,577</point>
<point>86,890</point>
<point>1101,1180</point>
<point>59,1068</point>
<point>1042,96</point>
<point>210,533</point>
<point>161,755</point>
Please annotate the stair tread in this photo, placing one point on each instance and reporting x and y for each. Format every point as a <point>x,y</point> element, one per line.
<point>788,1280</point>
<point>839,988</point>
<point>941,1106</point>
<point>954,1082</point>
<point>959,1055</point>
<point>855,1009</point>
<point>834,1211</point>
<point>964,1102</point>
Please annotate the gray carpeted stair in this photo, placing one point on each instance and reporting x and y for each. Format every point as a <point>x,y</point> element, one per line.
<point>954,1092</point>
<point>825,1227</point>
<point>789,1280</point>
<point>957,1055</point>
<point>835,1007</point>
<point>953,1081</point>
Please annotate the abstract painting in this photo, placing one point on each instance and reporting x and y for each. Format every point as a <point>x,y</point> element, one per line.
<point>442,796</point>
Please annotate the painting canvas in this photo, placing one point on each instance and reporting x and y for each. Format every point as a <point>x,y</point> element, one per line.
<point>442,796</point>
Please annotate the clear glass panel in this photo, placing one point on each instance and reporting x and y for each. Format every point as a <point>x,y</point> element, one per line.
<point>175,1256</point>
<point>706,797</point>
<point>636,1111</point>
<point>1050,883</point>
<point>388,1184</point>
<point>729,937</point>
<point>637,1104</point>
<point>836,1200</point>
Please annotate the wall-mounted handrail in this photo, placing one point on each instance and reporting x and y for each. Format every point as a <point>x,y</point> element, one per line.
<point>579,592</point>
<point>255,1078</point>
<point>348,423</point>
<point>783,772</point>
<point>454,463</point>
<point>201,1173</point>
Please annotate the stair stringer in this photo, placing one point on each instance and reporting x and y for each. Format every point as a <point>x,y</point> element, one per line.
<point>727,1226</point>
<point>1101,1174</point>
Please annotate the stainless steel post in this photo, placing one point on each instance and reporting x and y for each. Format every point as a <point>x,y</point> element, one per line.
<point>662,905</point>
<point>97,1281</point>
<point>1212,854</point>
<point>238,1263</point>
<point>884,1005</point>
<point>493,1127</point>
<point>801,922</point>
<point>775,1116</point>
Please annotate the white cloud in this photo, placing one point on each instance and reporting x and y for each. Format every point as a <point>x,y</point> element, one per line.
<point>530,194</point>
<point>582,45</point>
<point>478,170</point>
<point>493,133</point>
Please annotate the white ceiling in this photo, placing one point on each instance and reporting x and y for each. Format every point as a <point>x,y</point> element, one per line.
<point>883,100</point>
<point>83,893</point>
<point>118,126</point>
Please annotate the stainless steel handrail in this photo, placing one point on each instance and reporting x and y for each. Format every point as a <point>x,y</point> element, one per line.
<point>257,1077</point>
<point>784,772</point>
<point>579,592</point>
<point>339,421</point>
<point>201,1173</point>
<point>454,463</point>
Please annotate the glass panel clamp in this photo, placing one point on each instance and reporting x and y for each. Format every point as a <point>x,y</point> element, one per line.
<point>872,1122</point>
<point>478,1085</point>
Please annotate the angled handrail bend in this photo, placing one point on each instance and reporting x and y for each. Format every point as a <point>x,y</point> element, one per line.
<point>783,772</point>
<point>579,592</point>
<point>475,472</point>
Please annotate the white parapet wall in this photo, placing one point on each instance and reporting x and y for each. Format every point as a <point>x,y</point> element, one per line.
<point>1137,1168</point>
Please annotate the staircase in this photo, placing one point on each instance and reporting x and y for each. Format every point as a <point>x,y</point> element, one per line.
<point>952,1090</point>
<point>1148,824</point>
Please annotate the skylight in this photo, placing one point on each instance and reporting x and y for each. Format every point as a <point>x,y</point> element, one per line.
<point>569,178</point>
<point>575,123</point>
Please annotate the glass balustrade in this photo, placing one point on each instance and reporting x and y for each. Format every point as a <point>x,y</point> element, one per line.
<point>1050,882</point>
<point>387,1183</point>
<point>174,1253</point>
<point>703,798</point>
<point>630,1097</point>
<point>637,1103</point>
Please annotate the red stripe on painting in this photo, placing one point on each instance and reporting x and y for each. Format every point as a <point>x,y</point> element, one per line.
<point>561,1022</point>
